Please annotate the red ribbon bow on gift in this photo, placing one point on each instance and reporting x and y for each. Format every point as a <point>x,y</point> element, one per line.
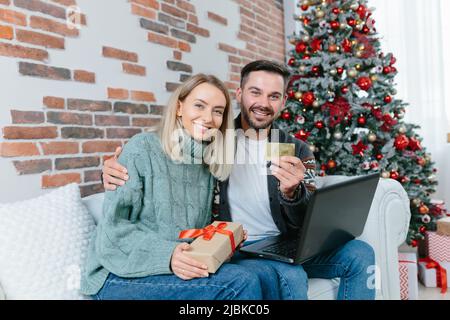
<point>208,232</point>
<point>441,273</point>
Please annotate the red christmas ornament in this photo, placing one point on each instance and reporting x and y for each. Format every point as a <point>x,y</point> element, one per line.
<point>401,142</point>
<point>351,22</point>
<point>304,7</point>
<point>388,99</point>
<point>387,70</point>
<point>316,45</point>
<point>421,161</point>
<point>335,25</point>
<point>301,47</point>
<point>414,144</point>
<point>302,135</point>
<point>422,229</point>
<point>336,10</point>
<point>379,157</point>
<point>319,125</point>
<point>377,113</point>
<point>417,181</point>
<point>306,21</point>
<point>291,62</point>
<point>366,29</point>
<point>331,164</point>
<point>306,57</point>
<point>364,83</point>
<point>308,99</point>
<point>362,120</point>
<point>374,165</point>
<point>414,243</point>
<point>291,94</point>
<point>315,69</point>
<point>344,90</point>
<point>340,70</point>
<point>361,11</point>
<point>359,148</point>
<point>347,45</point>
<point>286,115</point>
<point>394,175</point>
<point>323,167</point>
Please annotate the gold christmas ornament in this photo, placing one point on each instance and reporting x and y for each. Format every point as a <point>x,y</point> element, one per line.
<point>306,38</point>
<point>298,95</point>
<point>358,67</point>
<point>337,135</point>
<point>386,175</point>
<point>374,77</point>
<point>402,129</point>
<point>352,73</point>
<point>359,54</point>
<point>320,14</point>
<point>316,104</point>
<point>354,6</point>
<point>372,137</point>
<point>302,68</point>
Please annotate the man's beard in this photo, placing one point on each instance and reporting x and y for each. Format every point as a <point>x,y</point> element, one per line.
<point>254,125</point>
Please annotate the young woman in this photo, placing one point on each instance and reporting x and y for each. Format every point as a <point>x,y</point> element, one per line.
<point>135,252</point>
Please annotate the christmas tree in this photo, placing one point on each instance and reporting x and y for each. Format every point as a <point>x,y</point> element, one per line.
<point>342,102</point>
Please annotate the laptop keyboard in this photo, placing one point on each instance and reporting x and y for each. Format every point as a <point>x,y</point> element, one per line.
<point>283,248</point>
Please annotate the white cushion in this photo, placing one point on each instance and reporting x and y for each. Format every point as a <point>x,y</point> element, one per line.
<point>43,243</point>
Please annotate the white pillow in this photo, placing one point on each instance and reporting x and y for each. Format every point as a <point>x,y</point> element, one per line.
<point>43,244</point>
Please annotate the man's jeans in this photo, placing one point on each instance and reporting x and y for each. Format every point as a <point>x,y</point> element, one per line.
<point>230,282</point>
<point>353,263</point>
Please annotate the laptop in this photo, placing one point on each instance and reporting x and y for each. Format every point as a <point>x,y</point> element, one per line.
<point>335,215</point>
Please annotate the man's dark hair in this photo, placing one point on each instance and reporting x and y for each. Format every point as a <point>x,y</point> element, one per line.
<point>268,66</point>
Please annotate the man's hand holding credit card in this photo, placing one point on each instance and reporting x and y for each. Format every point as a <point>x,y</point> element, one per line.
<point>288,169</point>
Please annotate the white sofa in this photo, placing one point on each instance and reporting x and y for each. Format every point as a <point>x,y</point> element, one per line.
<point>385,231</point>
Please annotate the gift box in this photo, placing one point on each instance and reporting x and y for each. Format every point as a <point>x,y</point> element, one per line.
<point>409,285</point>
<point>443,226</point>
<point>437,247</point>
<point>214,244</point>
<point>434,274</point>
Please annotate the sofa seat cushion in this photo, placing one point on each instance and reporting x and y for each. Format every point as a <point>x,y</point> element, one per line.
<point>323,289</point>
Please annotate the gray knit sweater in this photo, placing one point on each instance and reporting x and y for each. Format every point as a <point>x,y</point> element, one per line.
<point>142,219</point>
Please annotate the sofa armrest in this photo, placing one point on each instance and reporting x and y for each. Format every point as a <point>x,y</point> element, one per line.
<point>385,230</point>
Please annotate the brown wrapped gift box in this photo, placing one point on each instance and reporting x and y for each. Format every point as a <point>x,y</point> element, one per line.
<point>443,226</point>
<point>217,250</point>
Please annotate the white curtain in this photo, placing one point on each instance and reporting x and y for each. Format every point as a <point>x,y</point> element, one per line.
<point>417,32</point>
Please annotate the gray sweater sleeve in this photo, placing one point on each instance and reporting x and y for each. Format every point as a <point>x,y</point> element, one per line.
<point>124,245</point>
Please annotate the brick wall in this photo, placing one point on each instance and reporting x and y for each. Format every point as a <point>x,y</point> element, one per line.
<point>71,96</point>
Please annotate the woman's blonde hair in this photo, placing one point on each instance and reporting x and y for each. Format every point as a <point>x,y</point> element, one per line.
<point>219,154</point>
